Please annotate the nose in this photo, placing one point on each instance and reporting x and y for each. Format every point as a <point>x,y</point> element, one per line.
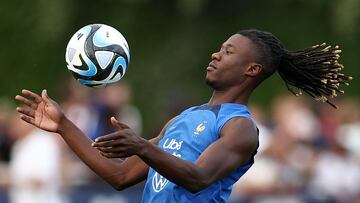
<point>216,56</point>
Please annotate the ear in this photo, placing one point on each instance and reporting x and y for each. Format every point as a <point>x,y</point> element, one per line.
<point>253,69</point>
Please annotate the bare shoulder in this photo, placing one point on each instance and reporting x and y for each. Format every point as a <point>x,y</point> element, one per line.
<point>241,133</point>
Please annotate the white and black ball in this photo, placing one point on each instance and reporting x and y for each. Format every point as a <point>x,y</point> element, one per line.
<point>97,55</point>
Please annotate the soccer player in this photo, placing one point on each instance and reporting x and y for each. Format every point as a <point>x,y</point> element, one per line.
<point>202,152</point>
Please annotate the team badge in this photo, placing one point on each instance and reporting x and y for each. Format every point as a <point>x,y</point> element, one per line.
<point>201,127</point>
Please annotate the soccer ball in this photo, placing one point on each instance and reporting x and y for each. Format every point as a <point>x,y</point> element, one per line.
<point>97,55</point>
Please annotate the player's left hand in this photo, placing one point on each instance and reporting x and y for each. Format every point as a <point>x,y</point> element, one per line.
<point>120,144</point>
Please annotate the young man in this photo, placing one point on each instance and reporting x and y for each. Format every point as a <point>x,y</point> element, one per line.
<point>202,152</point>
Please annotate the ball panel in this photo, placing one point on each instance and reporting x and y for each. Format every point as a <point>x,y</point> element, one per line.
<point>106,36</point>
<point>116,49</point>
<point>104,58</point>
<point>77,42</point>
<point>71,53</point>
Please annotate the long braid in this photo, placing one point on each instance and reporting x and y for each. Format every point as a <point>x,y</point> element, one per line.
<point>315,70</point>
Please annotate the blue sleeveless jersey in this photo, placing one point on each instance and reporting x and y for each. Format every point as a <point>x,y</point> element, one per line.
<point>186,137</point>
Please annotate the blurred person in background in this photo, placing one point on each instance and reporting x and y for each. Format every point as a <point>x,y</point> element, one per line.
<point>198,168</point>
<point>310,159</point>
<point>329,122</point>
<point>77,105</point>
<point>263,123</point>
<point>281,170</point>
<point>5,140</point>
<point>296,134</point>
<point>115,100</point>
<point>335,176</point>
<point>89,110</point>
<point>35,169</point>
<point>5,147</point>
<point>348,131</point>
<point>336,172</point>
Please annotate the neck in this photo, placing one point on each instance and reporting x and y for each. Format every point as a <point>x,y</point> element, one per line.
<point>237,94</point>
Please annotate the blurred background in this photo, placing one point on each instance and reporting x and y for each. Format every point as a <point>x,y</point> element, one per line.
<point>309,151</point>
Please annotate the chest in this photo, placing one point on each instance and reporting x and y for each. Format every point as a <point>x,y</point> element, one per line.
<point>190,134</point>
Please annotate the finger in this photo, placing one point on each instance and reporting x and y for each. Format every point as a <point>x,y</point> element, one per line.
<point>45,96</point>
<point>111,136</point>
<point>27,112</point>
<point>110,143</point>
<point>111,149</point>
<point>114,155</point>
<point>117,124</point>
<point>32,95</point>
<point>28,119</point>
<point>25,101</point>
<point>102,144</point>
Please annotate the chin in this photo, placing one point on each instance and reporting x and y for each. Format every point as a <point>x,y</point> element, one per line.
<point>211,83</point>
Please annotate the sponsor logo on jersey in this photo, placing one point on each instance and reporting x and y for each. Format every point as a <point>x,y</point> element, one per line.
<point>158,182</point>
<point>172,144</point>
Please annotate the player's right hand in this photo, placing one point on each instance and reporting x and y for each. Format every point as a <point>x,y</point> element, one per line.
<point>43,112</point>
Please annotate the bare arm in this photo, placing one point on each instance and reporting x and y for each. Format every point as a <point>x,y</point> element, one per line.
<point>46,114</point>
<point>234,148</point>
<point>120,174</point>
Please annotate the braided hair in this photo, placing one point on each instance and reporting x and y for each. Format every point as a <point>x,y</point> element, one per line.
<point>314,70</point>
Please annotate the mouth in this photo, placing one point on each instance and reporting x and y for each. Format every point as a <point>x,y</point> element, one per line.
<point>211,67</point>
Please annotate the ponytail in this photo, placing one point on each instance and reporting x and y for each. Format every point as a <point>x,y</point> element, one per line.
<point>315,70</point>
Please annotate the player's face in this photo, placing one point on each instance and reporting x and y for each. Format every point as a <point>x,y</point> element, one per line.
<point>228,66</point>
